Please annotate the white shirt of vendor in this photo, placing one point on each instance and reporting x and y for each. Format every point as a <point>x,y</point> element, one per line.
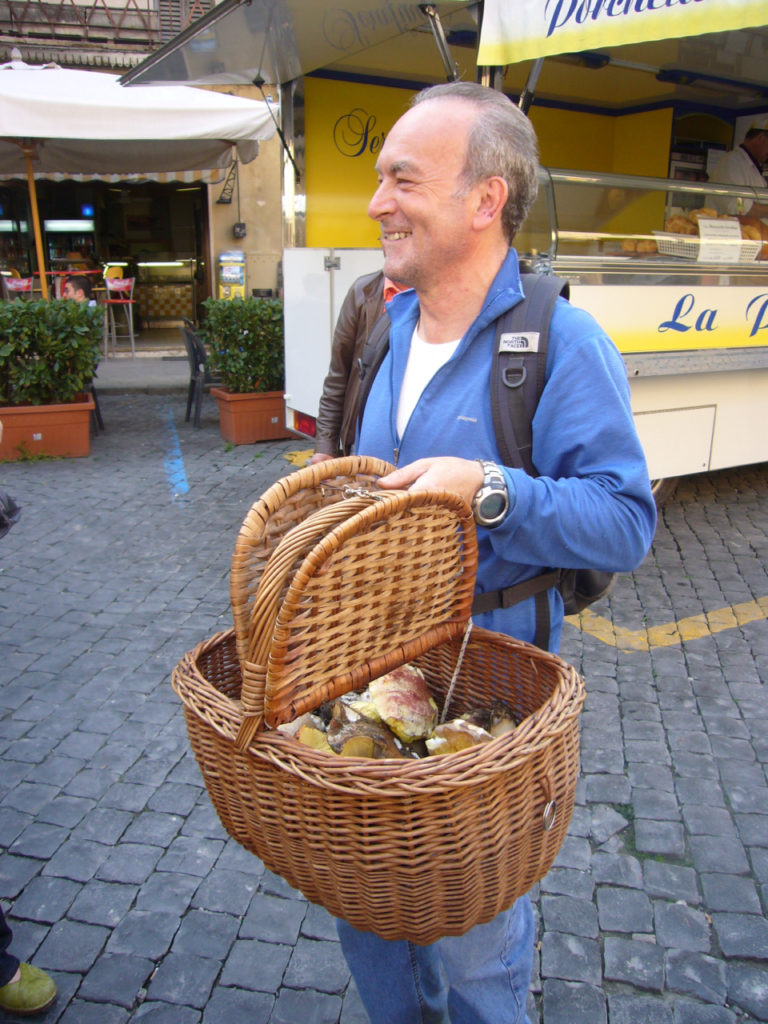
<point>743,166</point>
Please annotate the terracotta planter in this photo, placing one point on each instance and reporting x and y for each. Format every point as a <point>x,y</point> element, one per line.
<point>245,419</point>
<point>61,430</point>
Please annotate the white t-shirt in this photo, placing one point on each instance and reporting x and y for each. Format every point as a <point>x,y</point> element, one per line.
<point>736,168</point>
<point>424,360</point>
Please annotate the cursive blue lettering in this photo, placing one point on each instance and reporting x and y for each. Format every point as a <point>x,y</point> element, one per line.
<point>353,133</point>
<point>760,321</point>
<point>683,308</point>
<point>559,13</point>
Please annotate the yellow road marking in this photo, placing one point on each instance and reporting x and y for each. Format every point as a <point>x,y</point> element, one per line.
<point>299,458</point>
<point>669,633</point>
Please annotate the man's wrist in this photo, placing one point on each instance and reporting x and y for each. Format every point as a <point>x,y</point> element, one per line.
<point>491,503</point>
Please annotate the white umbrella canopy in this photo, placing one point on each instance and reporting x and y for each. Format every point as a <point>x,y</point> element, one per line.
<point>57,120</point>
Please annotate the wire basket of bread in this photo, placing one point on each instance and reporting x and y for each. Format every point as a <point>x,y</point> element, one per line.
<point>681,237</point>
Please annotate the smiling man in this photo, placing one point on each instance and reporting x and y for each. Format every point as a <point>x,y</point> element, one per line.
<point>457,175</point>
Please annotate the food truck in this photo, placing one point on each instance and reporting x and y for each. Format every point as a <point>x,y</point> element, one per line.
<point>633,105</point>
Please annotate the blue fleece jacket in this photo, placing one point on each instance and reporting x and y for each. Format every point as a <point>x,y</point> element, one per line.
<point>591,505</point>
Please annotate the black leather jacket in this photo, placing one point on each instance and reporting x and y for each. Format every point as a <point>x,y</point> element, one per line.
<point>337,412</point>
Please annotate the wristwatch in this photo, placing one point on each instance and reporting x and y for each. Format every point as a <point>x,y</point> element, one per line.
<point>491,503</point>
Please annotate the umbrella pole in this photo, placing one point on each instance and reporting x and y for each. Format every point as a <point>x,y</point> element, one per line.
<point>28,154</point>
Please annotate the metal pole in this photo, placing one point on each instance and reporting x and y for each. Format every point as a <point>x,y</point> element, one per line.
<point>29,152</point>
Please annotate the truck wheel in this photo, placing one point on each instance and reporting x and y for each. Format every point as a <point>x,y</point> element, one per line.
<point>663,489</point>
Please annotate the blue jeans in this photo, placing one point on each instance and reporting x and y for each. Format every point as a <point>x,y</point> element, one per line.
<point>478,978</point>
<point>9,964</point>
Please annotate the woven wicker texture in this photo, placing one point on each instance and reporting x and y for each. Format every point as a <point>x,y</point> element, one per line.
<point>411,849</point>
<point>330,588</point>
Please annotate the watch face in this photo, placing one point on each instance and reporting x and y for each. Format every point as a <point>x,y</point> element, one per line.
<point>492,505</point>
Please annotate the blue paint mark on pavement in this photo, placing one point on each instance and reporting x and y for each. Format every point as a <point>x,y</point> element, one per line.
<point>174,464</point>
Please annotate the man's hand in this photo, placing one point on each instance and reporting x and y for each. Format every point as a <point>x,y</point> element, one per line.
<point>319,457</point>
<point>461,476</point>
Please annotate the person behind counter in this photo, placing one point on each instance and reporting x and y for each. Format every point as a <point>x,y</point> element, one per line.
<point>743,166</point>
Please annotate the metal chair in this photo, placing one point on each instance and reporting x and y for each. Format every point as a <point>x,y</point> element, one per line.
<point>200,376</point>
<point>17,287</point>
<point>119,297</point>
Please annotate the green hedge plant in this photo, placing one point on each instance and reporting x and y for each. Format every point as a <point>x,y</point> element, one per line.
<point>49,351</point>
<point>245,343</point>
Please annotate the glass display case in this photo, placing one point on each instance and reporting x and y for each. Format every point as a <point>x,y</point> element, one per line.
<point>165,291</point>
<point>611,228</point>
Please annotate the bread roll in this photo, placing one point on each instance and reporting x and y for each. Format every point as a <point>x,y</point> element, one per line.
<point>628,245</point>
<point>750,232</point>
<point>758,231</point>
<point>680,225</point>
<point>646,245</point>
<point>705,211</point>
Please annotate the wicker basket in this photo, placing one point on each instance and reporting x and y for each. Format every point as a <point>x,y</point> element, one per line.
<point>415,849</point>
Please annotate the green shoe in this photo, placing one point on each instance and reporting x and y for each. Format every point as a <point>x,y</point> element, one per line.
<point>32,993</point>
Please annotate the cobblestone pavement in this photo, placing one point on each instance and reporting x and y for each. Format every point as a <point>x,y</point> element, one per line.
<point>119,879</point>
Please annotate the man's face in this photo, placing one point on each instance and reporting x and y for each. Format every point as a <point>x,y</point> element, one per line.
<point>761,147</point>
<point>425,222</point>
<point>70,292</point>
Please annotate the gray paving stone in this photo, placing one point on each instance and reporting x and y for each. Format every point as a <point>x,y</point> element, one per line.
<point>166,1013</point>
<point>637,963</point>
<point>659,837</point>
<point>617,869</point>
<point>638,1010</point>
<point>203,933</point>
<point>78,859</point>
<point>167,892</point>
<point>730,893</point>
<point>570,915</point>
<point>671,881</point>
<point>184,980</point>
<point>308,1007</point>
<point>570,958</point>
<point>230,892</point>
<point>606,822</point>
<point>679,926</point>
<point>608,789</point>
<point>71,946</point>
<point>748,989</point>
<point>193,855</point>
<point>567,1002</point>
<point>568,882</point>
<point>104,825</point>
<point>650,803</point>
<point>255,965</point>
<point>624,910</point>
<point>726,855</point>
<point>144,933</point>
<point>696,974</point>
<point>317,965</point>
<point>273,919</point>
<point>102,903</point>
<point>116,979</point>
<point>228,1005</point>
<point>689,1012</point>
<point>80,1012</point>
<point>742,935</point>
<point>45,899</point>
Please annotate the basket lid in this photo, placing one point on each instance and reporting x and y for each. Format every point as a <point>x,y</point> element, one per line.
<point>365,581</point>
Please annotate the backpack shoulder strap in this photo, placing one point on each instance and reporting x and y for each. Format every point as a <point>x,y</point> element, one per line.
<point>519,366</point>
<point>375,348</point>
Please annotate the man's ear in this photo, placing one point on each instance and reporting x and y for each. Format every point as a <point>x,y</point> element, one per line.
<point>492,196</point>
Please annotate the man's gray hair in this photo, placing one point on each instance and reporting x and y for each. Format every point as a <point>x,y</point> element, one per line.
<point>502,143</point>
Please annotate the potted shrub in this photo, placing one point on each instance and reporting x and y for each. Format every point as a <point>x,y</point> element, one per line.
<point>245,342</point>
<point>48,357</point>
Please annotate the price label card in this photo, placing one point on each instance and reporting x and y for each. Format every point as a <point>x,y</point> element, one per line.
<point>720,240</point>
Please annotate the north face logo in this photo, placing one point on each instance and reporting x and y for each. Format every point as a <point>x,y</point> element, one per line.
<point>527,341</point>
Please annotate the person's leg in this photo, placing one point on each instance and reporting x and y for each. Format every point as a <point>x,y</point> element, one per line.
<point>9,964</point>
<point>398,982</point>
<point>489,969</point>
<point>24,989</point>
